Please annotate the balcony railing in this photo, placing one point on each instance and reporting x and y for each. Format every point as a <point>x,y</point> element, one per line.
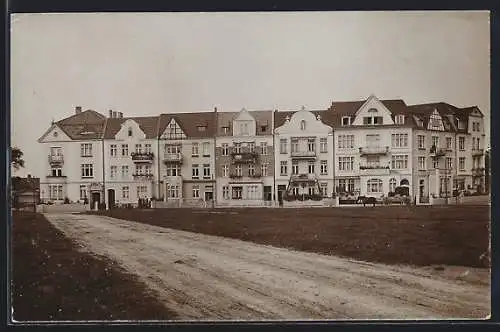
<point>303,154</point>
<point>373,150</point>
<point>374,170</point>
<point>142,176</point>
<point>244,157</point>
<point>235,175</point>
<point>437,152</point>
<point>56,159</point>
<point>302,177</point>
<point>477,152</point>
<point>142,156</point>
<point>479,171</point>
<point>172,158</point>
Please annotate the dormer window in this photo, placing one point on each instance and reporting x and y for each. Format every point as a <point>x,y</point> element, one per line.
<point>201,128</point>
<point>225,130</point>
<point>303,125</point>
<point>372,120</point>
<point>399,119</point>
<point>263,128</point>
<point>461,124</point>
<point>346,121</point>
<point>129,132</point>
<point>420,122</point>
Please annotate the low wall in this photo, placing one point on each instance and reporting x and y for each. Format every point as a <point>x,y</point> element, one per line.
<point>309,203</point>
<point>62,208</point>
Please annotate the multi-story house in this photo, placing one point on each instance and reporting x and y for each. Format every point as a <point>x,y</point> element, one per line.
<point>244,158</point>
<point>130,158</point>
<point>187,158</point>
<point>74,150</point>
<point>303,154</point>
<point>373,146</point>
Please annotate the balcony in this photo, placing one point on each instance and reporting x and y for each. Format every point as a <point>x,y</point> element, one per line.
<point>479,171</point>
<point>303,178</point>
<point>56,159</point>
<point>244,157</point>
<point>144,177</point>
<point>477,152</point>
<point>373,150</point>
<point>374,170</point>
<point>172,158</point>
<point>437,152</point>
<point>303,154</point>
<point>142,157</point>
<point>234,175</point>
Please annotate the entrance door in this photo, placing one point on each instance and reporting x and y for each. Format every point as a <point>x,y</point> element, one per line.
<point>209,195</point>
<point>281,191</point>
<point>111,198</point>
<point>95,197</point>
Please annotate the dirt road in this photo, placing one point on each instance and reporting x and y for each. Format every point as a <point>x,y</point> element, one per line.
<point>205,277</point>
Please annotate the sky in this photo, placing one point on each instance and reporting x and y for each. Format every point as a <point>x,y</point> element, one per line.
<point>150,63</point>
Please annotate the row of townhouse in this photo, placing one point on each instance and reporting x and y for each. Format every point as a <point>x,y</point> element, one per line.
<point>257,158</point>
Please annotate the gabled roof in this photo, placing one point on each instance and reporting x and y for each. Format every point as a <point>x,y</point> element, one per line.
<point>86,125</point>
<point>148,124</point>
<point>448,113</point>
<point>262,118</point>
<point>189,122</point>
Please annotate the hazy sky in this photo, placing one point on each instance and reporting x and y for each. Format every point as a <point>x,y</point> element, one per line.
<point>147,63</point>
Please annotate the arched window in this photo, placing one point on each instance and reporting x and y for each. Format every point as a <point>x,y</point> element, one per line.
<point>392,185</point>
<point>405,182</point>
<point>129,132</point>
<point>374,186</point>
<point>303,125</point>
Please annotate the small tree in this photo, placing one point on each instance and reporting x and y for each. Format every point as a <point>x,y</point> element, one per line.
<point>16,158</point>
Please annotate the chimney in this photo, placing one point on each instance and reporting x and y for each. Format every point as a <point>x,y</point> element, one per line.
<point>78,109</point>
<point>120,115</point>
<point>114,114</point>
<point>110,113</point>
<point>29,176</point>
<point>215,109</point>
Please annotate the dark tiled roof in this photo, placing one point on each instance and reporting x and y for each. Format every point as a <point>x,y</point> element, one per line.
<point>189,122</point>
<point>82,126</point>
<point>262,118</point>
<point>148,124</point>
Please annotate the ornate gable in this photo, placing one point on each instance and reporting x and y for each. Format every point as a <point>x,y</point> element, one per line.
<point>435,121</point>
<point>173,131</point>
<point>373,112</point>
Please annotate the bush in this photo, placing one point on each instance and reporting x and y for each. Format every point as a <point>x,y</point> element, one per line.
<point>66,200</point>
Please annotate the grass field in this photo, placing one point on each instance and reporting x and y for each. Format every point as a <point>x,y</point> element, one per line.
<point>52,280</point>
<point>420,236</point>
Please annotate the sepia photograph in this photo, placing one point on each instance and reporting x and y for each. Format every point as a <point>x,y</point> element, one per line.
<point>250,166</point>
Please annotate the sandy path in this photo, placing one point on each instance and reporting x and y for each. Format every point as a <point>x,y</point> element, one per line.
<point>208,277</point>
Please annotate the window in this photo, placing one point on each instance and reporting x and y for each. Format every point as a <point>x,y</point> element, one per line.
<point>252,192</point>
<point>147,148</point>
<point>171,149</point>
<point>310,167</point>
<point>346,141</point>
<point>263,148</point>
<point>461,143</point>
<point>374,186</point>
<point>124,150</point>
<point>346,163</point>
<point>173,170</point>
<point>295,167</point>
<point>263,168</point>
<point>195,171</point>
<point>295,191</point>
<point>225,170</point>
<point>125,192</point>
<point>283,167</point>
<point>113,172</point>
<point>283,144</point>
<point>85,150</point>
<point>324,167</point>
<point>56,171</point>
<point>342,186</point>
<point>194,149</point>
<point>373,120</point>
<point>461,124</point>
<point>139,170</point>
<point>346,121</point>
<point>138,148</point>
<point>311,145</point>
<point>83,192</point>
<point>87,170</point>
<point>449,163</point>
<point>196,192</point>
<point>206,171</point>
<point>173,191</point>
<point>225,149</point>
<point>311,191</point>
<point>244,128</point>
<point>56,151</point>
<point>372,161</point>
<point>237,147</point>
<point>294,145</point>
<point>263,128</point>
<point>324,189</point>
<point>435,163</point>
<point>56,192</point>
<point>400,161</point>
<point>435,141</point>
<point>206,149</point>
<point>251,147</point>
<point>124,171</point>
<point>238,170</point>
<point>422,163</point>
<point>399,140</point>
<point>129,132</point>
<point>113,150</point>
<point>237,192</point>
<point>225,192</point>
<point>448,143</point>
<point>251,170</point>
<point>323,145</point>
<point>225,130</point>
<point>399,119</point>
<point>201,128</point>
<point>303,125</point>
<point>478,143</point>
<point>461,163</point>
<point>421,141</point>
<point>392,185</point>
